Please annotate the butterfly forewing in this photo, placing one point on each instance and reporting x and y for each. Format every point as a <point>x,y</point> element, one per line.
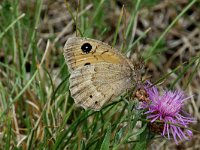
<point>79,52</point>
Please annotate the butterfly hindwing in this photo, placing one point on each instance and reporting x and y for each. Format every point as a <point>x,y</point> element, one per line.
<point>93,86</point>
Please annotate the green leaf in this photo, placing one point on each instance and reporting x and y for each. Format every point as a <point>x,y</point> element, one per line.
<point>142,139</point>
<point>141,145</point>
<point>106,141</point>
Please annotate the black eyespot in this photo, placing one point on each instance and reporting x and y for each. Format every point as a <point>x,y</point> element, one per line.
<point>96,102</point>
<point>87,64</point>
<point>86,47</point>
<point>90,96</point>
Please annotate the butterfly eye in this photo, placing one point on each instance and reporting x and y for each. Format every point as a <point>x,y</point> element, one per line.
<point>86,47</point>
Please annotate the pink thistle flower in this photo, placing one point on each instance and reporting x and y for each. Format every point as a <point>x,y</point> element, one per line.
<point>167,108</point>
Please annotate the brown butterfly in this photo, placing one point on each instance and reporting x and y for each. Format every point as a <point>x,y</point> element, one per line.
<point>99,72</point>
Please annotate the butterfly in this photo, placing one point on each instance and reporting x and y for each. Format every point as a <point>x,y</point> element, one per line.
<point>99,72</point>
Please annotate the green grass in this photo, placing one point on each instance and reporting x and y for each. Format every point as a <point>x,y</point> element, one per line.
<point>36,110</point>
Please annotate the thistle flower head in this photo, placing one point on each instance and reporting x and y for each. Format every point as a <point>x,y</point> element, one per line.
<point>167,108</point>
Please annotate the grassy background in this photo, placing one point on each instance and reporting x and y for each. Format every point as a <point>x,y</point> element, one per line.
<point>36,110</point>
